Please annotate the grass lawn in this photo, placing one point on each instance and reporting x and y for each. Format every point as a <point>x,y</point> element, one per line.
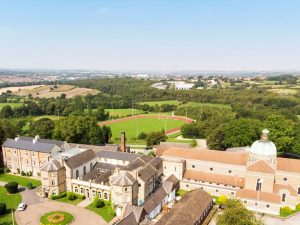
<point>74,202</point>
<point>106,212</point>
<point>57,217</point>
<point>23,181</point>
<point>123,112</point>
<point>12,104</point>
<point>136,126</point>
<point>12,201</point>
<point>159,103</point>
<point>181,192</point>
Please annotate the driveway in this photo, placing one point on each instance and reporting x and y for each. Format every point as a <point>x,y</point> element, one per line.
<point>293,220</point>
<point>34,211</point>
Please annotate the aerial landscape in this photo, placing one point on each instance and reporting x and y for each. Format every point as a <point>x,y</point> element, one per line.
<point>150,112</point>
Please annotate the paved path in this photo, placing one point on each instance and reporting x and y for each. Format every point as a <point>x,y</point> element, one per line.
<point>84,203</point>
<point>34,211</point>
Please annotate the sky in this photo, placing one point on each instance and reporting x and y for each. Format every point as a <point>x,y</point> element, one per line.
<point>150,35</point>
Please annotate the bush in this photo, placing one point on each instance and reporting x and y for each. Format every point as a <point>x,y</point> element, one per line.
<point>11,187</point>
<point>142,136</point>
<point>22,173</point>
<point>98,203</point>
<point>286,211</point>
<point>6,170</point>
<point>29,186</point>
<point>1,170</point>
<point>29,174</point>
<point>298,207</point>
<point>2,208</point>
<point>222,199</point>
<point>61,195</point>
<point>71,196</point>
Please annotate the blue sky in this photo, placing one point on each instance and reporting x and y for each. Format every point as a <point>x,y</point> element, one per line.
<point>150,34</point>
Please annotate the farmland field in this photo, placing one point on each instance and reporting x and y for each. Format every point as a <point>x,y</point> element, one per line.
<point>216,105</point>
<point>159,103</point>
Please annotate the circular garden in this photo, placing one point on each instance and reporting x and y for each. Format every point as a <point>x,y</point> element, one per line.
<point>57,217</point>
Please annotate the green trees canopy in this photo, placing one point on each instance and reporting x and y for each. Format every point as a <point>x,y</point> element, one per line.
<point>42,127</point>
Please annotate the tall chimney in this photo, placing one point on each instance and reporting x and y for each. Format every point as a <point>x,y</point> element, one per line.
<point>123,142</point>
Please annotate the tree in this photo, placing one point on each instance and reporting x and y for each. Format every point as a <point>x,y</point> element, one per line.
<point>42,127</point>
<point>7,111</point>
<point>155,138</point>
<point>100,114</point>
<point>236,213</point>
<point>98,203</point>
<point>106,132</point>
<point>215,139</point>
<point>191,131</point>
<point>11,187</point>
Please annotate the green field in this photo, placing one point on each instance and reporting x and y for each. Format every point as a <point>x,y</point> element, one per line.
<point>136,126</point>
<point>159,103</point>
<point>12,104</point>
<point>123,112</point>
<point>12,201</point>
<point>23,181</point>
<point>51,117</point>
<point>106,212</point>
<point>197,104</point>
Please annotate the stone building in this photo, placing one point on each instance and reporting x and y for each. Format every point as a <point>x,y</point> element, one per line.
<point>263,181</point>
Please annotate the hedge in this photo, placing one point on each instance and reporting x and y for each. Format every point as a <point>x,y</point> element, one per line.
<point>11,187</point>
<point>2,208</point>
<point>29,186</point>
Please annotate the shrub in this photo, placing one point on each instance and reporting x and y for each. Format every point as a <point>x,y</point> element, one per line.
<point>142,136</point>
<point>1,170</point>
<point>82,197</point>
<point>222,199</point>
<point>298,207</point>
<point>29,174</point>
<point>29,186</point>
<point>71,196</point>
<point>11,187</point>
<point>2,208</point>
<point>6,170</point>
<point>22,173</point>
<point>97,202</point>
<point>286,211</point>
<point>61,195</point>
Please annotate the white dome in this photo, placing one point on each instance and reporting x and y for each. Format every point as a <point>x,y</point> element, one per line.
<point>262,147</point>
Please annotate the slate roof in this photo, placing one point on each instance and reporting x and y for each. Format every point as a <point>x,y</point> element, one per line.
<point>26,143</point>
<point>123,179</point>
<point>81,158</point>
<point>117,155</point>
<point>183,213</point>
<point>108,147</point>
<point>156,199</point>
<point>100,166</point>
<point>146,173</point>
<point>97,177</point>
<point>139,212</point>
<point>52,165</point>
<point>129,220</point>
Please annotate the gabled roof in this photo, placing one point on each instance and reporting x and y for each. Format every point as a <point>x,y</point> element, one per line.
<point>139,212</point>
<point>29,143</point>
<point>288,165</point>
<point>52,165</point>
<point>163,146</point>
<point>122,179</point>
<point>124,156</point>
<point>80,159</point>
<point>146,173</point>
<point>263,196</point>
<point>278,187</point>
<point>261,167</point>
<point>129,220</point>
<point>215,178</point>
<point>237,158</point>
<point>155,200</point>
<point>188,210</point>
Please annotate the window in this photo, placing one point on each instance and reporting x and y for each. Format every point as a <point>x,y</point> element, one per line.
<point>217,190</point>
<point>187,185</point>
<point>193,166</point>
<point>77,174</point>
<point>211,169</point>
<point>84,170</point>
<point>105,196</point>
<point>298,190</point>
<point>139,184</point>
<point>165,167</point>
<point>283,197</point>
<point>268,206</point>
<point>175,168</point>
<point>258,185</point>
<point>53,182</point>
<point>285,179</point>
<point>91,166</point>
<point>33,162</point>
<point>245,202</point>
<point>229,171</point>
<point>232,193</point>
<point>99,194</point>
<point>125,189</point>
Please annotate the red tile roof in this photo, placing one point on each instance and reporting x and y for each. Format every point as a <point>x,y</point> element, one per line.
<point>261,166</point>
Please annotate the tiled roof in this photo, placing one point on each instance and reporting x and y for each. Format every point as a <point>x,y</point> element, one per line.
<point>163,146</point>
<point>263,196</point>
<point>81,158</point>
<point>108,147</point>
<point>183,214</point>
<point>129,220</point>
<point>146,173</point>
<point>214,178</point>
<point>289,165</point>
<point>117,155</point>
<point>237,158</point>
<point>261,166</point>
<point>139,212</point>
<point>27,143</point>
<point>155,200</point>
<point>52,165</point>
<point>278,187</point>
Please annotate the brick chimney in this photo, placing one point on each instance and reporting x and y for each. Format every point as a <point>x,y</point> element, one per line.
<point>123,142</point>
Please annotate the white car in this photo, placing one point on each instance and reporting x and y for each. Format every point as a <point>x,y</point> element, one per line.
<point>21,207</point>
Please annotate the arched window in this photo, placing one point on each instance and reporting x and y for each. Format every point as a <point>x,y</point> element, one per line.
<point>84,170</point>
<point>91,166</point>
<point>77,174</point>
<point>99,194</point>
<point>258,184</point>
<point>105,196</point>
<point>283,197</point>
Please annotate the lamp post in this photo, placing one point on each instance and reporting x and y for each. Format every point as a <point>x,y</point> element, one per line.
<point>259,184</point>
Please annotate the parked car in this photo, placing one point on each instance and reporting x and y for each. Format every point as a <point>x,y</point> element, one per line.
<point>21,207</point>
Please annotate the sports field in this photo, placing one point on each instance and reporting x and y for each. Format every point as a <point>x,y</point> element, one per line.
<point>143,123</point>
